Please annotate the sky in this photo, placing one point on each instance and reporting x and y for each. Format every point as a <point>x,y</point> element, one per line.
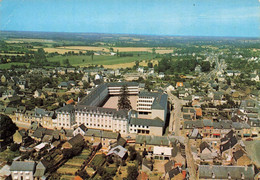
<point>232,18</point>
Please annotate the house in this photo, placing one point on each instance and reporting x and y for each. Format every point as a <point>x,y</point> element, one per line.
<point>229,144</point>
<point>198,69</point>
<point>169,166</point>
<point>22,170</point>
<point>76,141</point>
<point>179,84</point>
<point>162,153</point>
<point>5,172</point>
<point>63,85</point>
<point>148,142</point>
<point>38,94</point>
<point>47,138</point>
<point>254,77</point>
<point>21,137</point>
<point>161,75</point>
<point>38,134</point>
<point>174,174</point>
<point>82,129</point>
<point>147,166</point>
<point>41,170</point>
<point>9,93</point>
<point>118,153</point>
<point>106,138</point>
<point>140,69</point>
<point>241,158</point>
<point>205,148</point>
<point>226,172</point>
<point>40,147</point>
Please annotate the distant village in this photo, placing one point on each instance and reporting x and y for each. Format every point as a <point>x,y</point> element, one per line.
<point>69,126</point>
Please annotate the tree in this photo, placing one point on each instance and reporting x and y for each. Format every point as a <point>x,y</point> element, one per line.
<point>132,172</point>
<point>150,64</point>
<point>205,66</point>
<point>144,153</point>
<point>133,153</point>
<point>7,127</point>
<point>124,102</point>
<point>14,147</point>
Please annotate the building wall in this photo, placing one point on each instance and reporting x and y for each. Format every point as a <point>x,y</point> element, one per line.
<point>243,161</point>
<point>144,104</point>
<point>18,175</point>
<point>156,131</point>
<point>65,120</point>
<point>159,113</point>
<point>102,121</point>
<point>45,121</point>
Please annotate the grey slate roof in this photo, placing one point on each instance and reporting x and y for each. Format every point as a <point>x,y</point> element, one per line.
<point>41,168</point>
<point>118,150</point>
<point>22,166</point>
<point>76,140</point>
<point>100,133</point>
<point>147,164</point>
<point>67,108</point>
<point>120,113</point>
<point>238,154</point>
<point>174,172</point>
<point>157,122</point>
<point>155,140</point>
<point>222,172</point>
<point>169,166</point>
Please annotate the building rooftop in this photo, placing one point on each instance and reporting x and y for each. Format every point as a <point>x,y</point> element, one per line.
<point>223,172</point>
<point>22,166</point>
<point>157,122</point>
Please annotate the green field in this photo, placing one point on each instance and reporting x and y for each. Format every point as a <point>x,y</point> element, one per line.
<point>8,65</point>
<point>8,155</point>
<point>98,160</point>
<point>99,60</point>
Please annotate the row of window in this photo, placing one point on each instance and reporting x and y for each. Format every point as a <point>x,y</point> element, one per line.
<point>140,126</point>
<point>144,105</point>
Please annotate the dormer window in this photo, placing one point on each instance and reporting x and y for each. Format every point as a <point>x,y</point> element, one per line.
<point>213,175</point>
<point>242,176</point>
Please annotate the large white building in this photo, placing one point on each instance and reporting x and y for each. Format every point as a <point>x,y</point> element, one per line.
<point>149,118</point>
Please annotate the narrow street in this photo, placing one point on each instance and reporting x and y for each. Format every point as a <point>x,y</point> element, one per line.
<point>174,123</point>
<point>190,160</point>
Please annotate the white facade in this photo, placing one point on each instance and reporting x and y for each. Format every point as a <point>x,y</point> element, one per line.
<point>99,120</point>
<point>65,120</point>
<point>19,175</point>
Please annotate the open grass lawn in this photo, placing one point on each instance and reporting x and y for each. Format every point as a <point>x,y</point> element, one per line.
<point>67,177</point>
<point>111,169</point>
<point>75,162</point>
<point>99,60</point>
<point>84,155</point>
<point>98,160</point>
<point>69,170</point>
<point>8,155</point>
<point>8,65</point>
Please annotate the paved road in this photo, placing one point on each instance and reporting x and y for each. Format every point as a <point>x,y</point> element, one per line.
<point>174,124</point>
<point>190,160</point>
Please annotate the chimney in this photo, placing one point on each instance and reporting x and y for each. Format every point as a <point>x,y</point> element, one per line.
<point>246,167</point>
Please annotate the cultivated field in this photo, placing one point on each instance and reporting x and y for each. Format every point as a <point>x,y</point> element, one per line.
<point>64,49</point>
<point>84,61</point>
<point>21,40</point>
<point>8,65</point>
